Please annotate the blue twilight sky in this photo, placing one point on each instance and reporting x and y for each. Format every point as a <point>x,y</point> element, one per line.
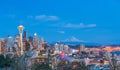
<point>83,20</point>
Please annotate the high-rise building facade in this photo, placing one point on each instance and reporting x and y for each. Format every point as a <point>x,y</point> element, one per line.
<point>81,47</point>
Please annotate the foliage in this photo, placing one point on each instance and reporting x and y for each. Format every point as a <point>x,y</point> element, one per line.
<point>2,60</point>
<point>40,66</point>
<point>5,61</point>
<point>70,66</point>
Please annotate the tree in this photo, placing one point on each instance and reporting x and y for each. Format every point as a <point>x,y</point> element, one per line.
<point>2,60</point>
<point>113,63</point>
<point>80,66</point>
<point>40,66</point>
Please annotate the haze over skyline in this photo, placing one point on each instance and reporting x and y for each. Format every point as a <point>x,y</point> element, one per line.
<point>83,20</point>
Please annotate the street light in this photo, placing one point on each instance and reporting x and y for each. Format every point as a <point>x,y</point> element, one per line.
<point>20,28</point>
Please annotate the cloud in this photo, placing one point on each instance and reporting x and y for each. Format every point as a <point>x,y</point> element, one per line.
<point>81,25</point>
<point>61,32</point>
<point>71,25</point>
<point>46,18</point>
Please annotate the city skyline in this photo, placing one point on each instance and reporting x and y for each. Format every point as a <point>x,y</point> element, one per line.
<point>86,21</point>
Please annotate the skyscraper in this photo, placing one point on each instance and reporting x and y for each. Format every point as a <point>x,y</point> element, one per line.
<point>9,43</point>
<point>25,36</point>
<point>30,39</point>
<point>43,42</point>
<point>35,42</point>
<point>0,47</point>
<point>81,47</point>
<point>20,28</point>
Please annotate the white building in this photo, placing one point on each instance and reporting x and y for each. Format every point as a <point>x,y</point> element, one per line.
<point>66,49</point>
<point>57,48</point>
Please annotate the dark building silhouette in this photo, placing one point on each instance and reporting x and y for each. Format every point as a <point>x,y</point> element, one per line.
<point>25,36</point>
<point>30,40</point>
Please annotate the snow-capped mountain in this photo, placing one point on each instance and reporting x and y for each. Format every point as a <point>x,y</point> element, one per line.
<point>75,41</point>
<point>72,39</point>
